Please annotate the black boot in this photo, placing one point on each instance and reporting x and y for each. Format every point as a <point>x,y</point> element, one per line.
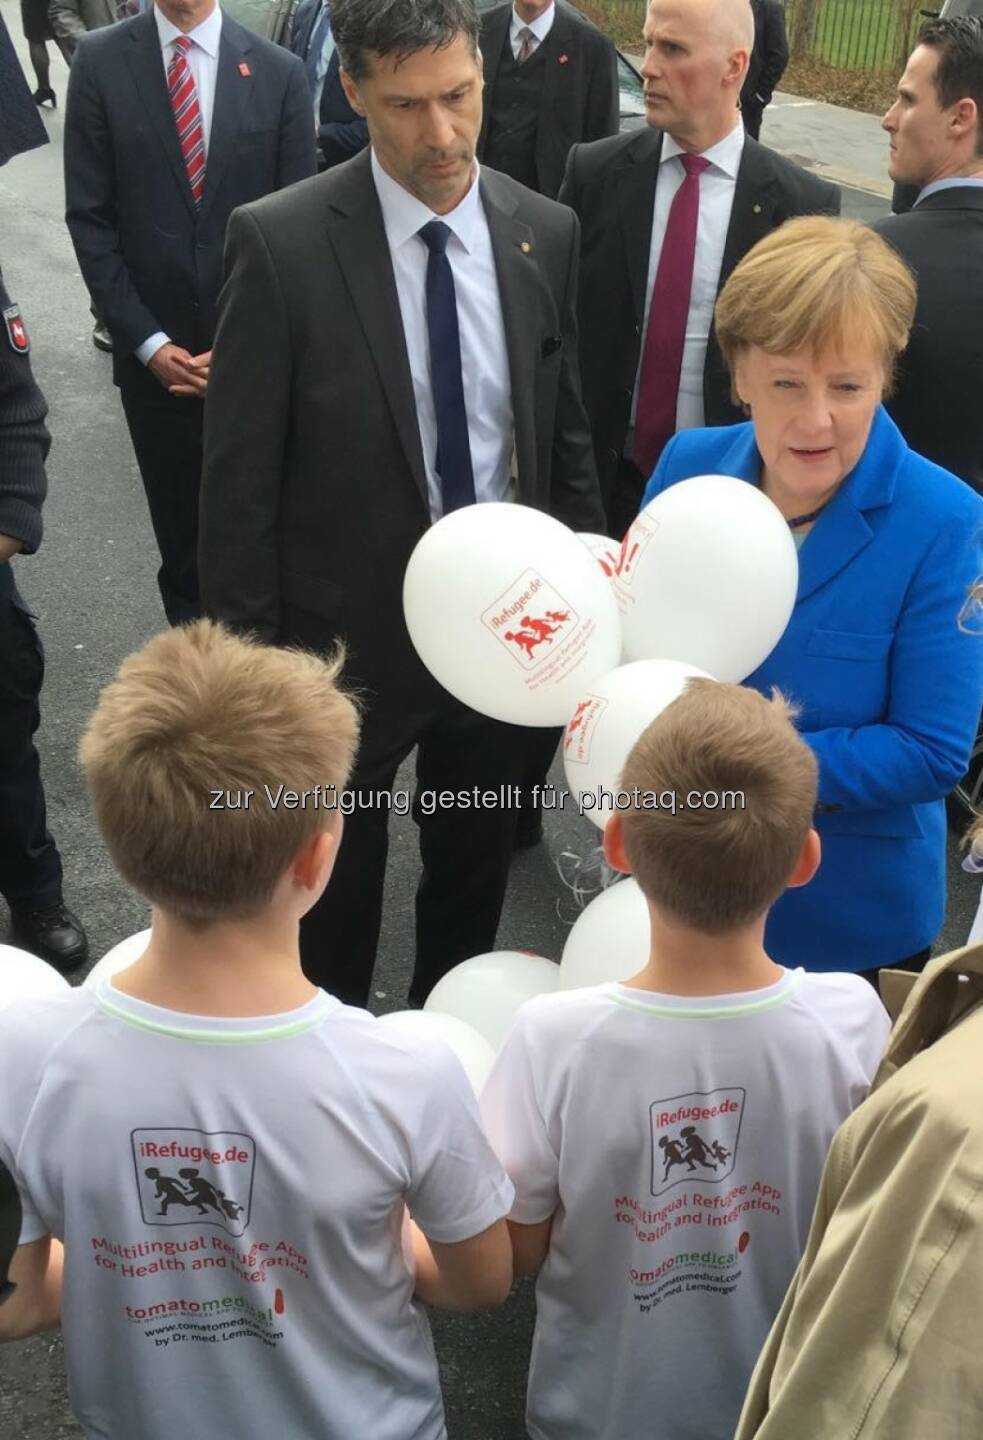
<point>54,933</point>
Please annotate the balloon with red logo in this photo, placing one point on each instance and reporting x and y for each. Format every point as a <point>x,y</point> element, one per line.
<point>608,720</point>
<point>708,576</point>
<point>509,611</point>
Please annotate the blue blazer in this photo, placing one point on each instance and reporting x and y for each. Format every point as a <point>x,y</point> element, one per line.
<point>340,132</point>
<point>889,689</point>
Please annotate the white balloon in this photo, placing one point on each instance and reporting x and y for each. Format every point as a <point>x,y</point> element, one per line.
<point>604,550</point>
<point>24,976</point>
<point>610,940</point>
<point>121,957</point>
<point>608,721</point>
<point>709,577</point>
<point>472,1049</point>
<point>485,992</point>
<point>509,612</point>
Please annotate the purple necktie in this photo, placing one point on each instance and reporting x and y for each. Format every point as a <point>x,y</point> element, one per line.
<point>658,384</point>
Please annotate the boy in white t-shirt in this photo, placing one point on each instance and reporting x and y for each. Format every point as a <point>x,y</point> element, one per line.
<point>227,1152</point>
<point>666,1136</point>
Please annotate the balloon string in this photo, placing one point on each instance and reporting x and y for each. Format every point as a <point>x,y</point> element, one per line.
<point>584,876</point>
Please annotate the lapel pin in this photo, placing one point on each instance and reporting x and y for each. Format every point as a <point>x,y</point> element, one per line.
<point>564,59</point>
<point>756,209</point>
<point>525,247</point>
<point>244,69</point>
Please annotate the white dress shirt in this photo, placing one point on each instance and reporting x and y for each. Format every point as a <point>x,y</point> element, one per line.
<point>484,357</point>
<point>717,185</point>
<point>540,28</point>
<point>951,182</point>
<point>203,64</point>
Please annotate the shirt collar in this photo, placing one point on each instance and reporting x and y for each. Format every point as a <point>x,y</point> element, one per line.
<point>206,35</point>
<point>951,182</point>
<point>540,27</point>
<point>403,215</point>
<point>725,155</point>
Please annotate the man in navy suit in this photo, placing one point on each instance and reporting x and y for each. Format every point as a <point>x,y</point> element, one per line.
<point>340,132</point>
<point>174,119</point>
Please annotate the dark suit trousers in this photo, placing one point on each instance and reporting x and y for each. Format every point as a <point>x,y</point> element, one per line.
<point>626,497</point>
<point>30,867</point>
<point>166,432</point>
<point>465,851</point>
<point>752,113</point>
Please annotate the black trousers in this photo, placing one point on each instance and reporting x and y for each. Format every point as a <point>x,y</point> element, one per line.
<point>30,866</point>
<point>752,113</point>
<point>465,849</point>
<point>626,497</point>
<point>166,431</point>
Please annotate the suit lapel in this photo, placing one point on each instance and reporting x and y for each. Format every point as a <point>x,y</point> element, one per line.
<point>147,66</point>
<point>843,529</point>
<point>562,40</point>
<point>519,282</point>
<point>233,92</point>
<point>358,235</point>
<point>636,203</point>
<point>757,206</point>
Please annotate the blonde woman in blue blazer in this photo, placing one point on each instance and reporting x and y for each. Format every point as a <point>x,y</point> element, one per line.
<point>888,686</point>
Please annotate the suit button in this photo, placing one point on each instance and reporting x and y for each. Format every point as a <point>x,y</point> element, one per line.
<point>612,454</point>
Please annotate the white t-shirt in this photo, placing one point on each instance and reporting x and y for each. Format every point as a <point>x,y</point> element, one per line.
<point>679,1142</point>
<point>231,1197</point>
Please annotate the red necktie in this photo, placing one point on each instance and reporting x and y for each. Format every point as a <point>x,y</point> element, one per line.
<point>187,117</point>
<point>658,384</point>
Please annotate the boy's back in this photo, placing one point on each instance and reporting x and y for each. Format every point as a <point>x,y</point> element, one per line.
<point>230,1192</point>
<point>679,1141</point>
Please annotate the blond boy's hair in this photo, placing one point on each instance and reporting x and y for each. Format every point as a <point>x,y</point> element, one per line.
<point>718,865</point>
<point>197,711</point>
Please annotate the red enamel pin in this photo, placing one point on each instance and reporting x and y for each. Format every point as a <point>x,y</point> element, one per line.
<point>16,330</point>
<point>564,59</point>
<point>244,69</point>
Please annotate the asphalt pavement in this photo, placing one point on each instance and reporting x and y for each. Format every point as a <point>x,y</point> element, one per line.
<point>93,587</point>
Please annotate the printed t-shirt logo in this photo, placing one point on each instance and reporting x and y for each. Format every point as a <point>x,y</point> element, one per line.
<point>695,1137</point>
<point>194,1177</point>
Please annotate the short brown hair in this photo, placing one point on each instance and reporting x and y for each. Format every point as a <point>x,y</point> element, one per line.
<point>717,869</point>
<point>813,283</point>
<point>197,711</point>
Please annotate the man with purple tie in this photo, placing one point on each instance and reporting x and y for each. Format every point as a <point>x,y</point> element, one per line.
<point>666,213</point>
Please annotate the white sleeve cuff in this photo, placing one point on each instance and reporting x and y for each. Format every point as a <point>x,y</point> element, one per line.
<point>146,352</point>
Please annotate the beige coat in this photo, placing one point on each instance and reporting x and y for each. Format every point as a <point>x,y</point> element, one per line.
<point>879,1335</point>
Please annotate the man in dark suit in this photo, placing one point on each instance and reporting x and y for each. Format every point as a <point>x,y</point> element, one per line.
<point>667,212</point>
<point>766,65</point>
<point>936,130</point>
<point>340,132</point>
<point>551,81</point>
<point>147,211</point>
<point>389,335</point>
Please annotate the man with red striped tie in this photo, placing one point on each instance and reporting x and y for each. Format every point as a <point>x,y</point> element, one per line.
<point>174,118</point>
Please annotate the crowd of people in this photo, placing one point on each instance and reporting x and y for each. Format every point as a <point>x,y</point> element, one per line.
<point>404,264</point>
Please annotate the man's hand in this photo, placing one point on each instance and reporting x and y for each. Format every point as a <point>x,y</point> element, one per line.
<point>8,547</point>
<point>179,372</point>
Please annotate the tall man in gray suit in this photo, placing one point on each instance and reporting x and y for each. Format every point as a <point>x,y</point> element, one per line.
<point>389,334</point>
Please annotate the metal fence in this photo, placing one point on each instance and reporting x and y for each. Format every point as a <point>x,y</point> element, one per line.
<point>864,35</point>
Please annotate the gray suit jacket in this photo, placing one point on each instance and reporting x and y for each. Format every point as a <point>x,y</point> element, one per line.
<point>71,19</point>
<point>314,491</point>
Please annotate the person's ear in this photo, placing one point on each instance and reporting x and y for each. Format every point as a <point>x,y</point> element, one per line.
<point>315,859</point>
<point>352,94</point>
<point>964,117</point>
<point>614,845</point>
<point>808,862</point>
